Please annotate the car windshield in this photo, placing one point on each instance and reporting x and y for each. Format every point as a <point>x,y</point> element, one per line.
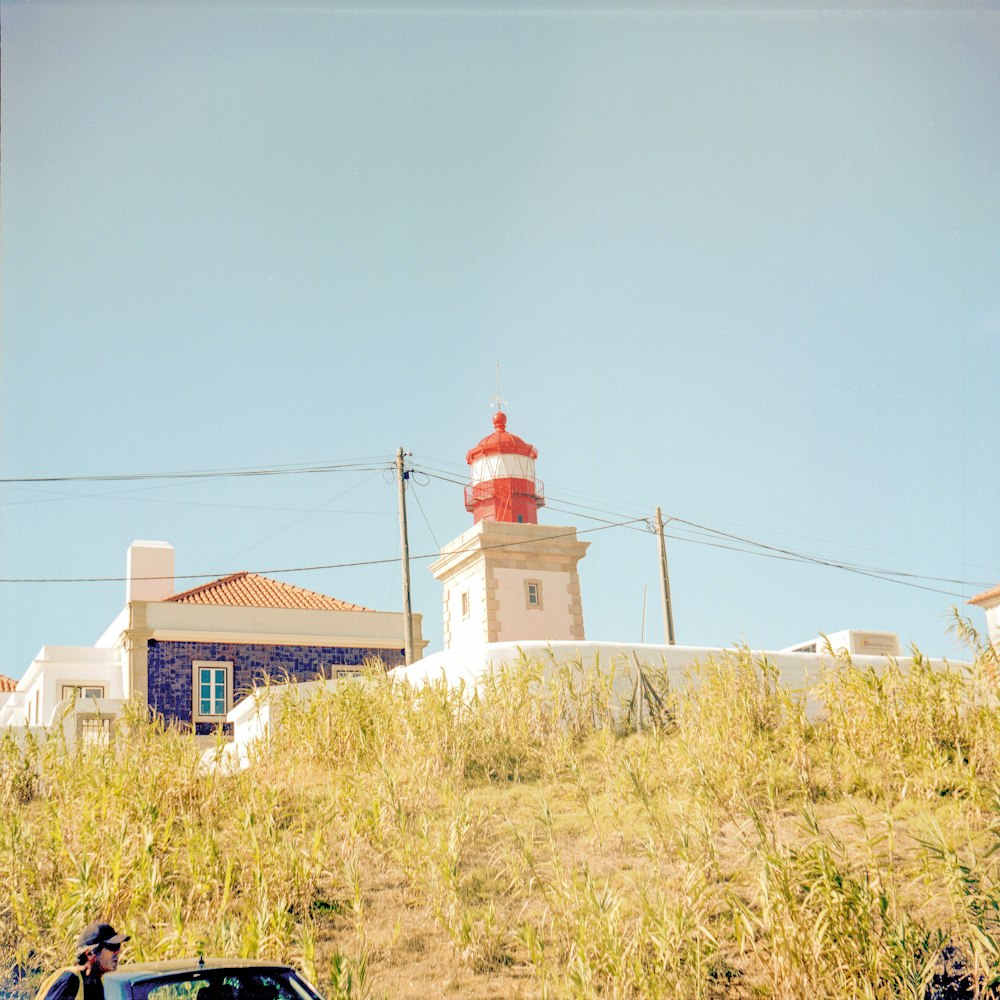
<point>224,984</point>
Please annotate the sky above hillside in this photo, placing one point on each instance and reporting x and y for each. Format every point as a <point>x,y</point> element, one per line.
<point>741,262</point>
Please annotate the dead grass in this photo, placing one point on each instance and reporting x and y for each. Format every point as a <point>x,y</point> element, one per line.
<point>421,844</point>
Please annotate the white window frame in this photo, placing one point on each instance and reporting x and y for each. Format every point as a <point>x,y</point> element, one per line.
<point>94,729</point>
<point>535,605</point>
<point>196,668</point>
<point>347,673</point>
<point>465,604</point>
<point>86,690</point>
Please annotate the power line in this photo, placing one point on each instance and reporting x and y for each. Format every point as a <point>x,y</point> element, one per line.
<point>560,498</point>
<point>556,502</point>
<point>806,560</point>
<point>355,465</point>
<point>420,507</point>
<point>835,563</point>
<point>602,520</point>
<point>304,515</point>
<point>763,548</point>
<point>206,503</point>
<point>311,569</point>
<point>785,555</point>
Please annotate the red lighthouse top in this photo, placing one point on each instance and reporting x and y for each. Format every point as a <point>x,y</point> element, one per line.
<point>502,473</point>
<point>501,441</point>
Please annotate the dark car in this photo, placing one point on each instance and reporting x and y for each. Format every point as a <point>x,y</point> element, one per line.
<point>207,979</point>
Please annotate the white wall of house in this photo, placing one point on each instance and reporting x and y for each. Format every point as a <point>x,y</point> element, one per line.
<point>993,622</point>
<point>12,710</point>
<point>989,601</point>
<point>111,636</point>
<point>54,672</point>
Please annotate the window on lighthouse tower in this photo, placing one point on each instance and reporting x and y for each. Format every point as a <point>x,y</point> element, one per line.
<point>533,594</point>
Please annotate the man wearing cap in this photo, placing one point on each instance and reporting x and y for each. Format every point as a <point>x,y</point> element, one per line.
<point>97,952</point>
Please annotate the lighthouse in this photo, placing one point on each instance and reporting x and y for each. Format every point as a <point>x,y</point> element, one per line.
<point>509,578</point>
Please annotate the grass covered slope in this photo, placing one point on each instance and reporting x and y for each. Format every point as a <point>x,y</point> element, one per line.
<point>529,842</point>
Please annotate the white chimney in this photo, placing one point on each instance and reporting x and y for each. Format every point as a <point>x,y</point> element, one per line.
<point>150,571</point>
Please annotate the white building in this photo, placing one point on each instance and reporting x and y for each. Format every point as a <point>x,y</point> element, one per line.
<point>989,601</point>
<point>853,641</point>
<point>191,656</point>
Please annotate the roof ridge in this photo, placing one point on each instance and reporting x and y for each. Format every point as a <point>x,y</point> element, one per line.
<point>205,586</point>
<point>246,589</point>
<point>985,595</point>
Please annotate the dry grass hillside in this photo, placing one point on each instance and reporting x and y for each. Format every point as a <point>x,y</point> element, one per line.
<point>530,842</point>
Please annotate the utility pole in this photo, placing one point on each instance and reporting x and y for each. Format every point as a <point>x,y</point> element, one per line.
<point>404,546</point>
<point>668,614</point>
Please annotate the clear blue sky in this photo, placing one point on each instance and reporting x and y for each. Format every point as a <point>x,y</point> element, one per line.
<point>741,262</point>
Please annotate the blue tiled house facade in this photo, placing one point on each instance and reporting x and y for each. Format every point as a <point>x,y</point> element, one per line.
<point>172,665</point>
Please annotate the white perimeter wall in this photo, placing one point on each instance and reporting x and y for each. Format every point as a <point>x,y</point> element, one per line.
<point>469,665</point>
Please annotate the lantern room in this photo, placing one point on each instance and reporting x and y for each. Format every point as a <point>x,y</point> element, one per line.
<point>502,484</point>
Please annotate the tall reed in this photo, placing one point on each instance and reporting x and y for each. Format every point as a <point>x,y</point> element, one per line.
<point>535,837</point>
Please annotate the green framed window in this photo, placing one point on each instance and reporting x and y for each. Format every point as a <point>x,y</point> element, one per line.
<point>213,690</point>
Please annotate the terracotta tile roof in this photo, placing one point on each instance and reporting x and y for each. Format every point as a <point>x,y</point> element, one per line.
<point>986,595</point>
<point>6,684</point>
<point>248,590</point>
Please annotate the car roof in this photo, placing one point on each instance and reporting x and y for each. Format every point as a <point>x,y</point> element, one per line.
<point>179,966</point>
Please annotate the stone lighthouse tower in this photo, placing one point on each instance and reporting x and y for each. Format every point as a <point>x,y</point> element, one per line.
<point>508,577</point>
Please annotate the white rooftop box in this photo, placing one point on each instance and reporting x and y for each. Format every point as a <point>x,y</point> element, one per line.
<point>853,641</point>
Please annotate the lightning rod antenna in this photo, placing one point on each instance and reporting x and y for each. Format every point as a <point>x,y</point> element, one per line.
<point>498,402</point>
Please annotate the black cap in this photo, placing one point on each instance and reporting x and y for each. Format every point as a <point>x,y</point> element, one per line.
<point>97,935</point>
